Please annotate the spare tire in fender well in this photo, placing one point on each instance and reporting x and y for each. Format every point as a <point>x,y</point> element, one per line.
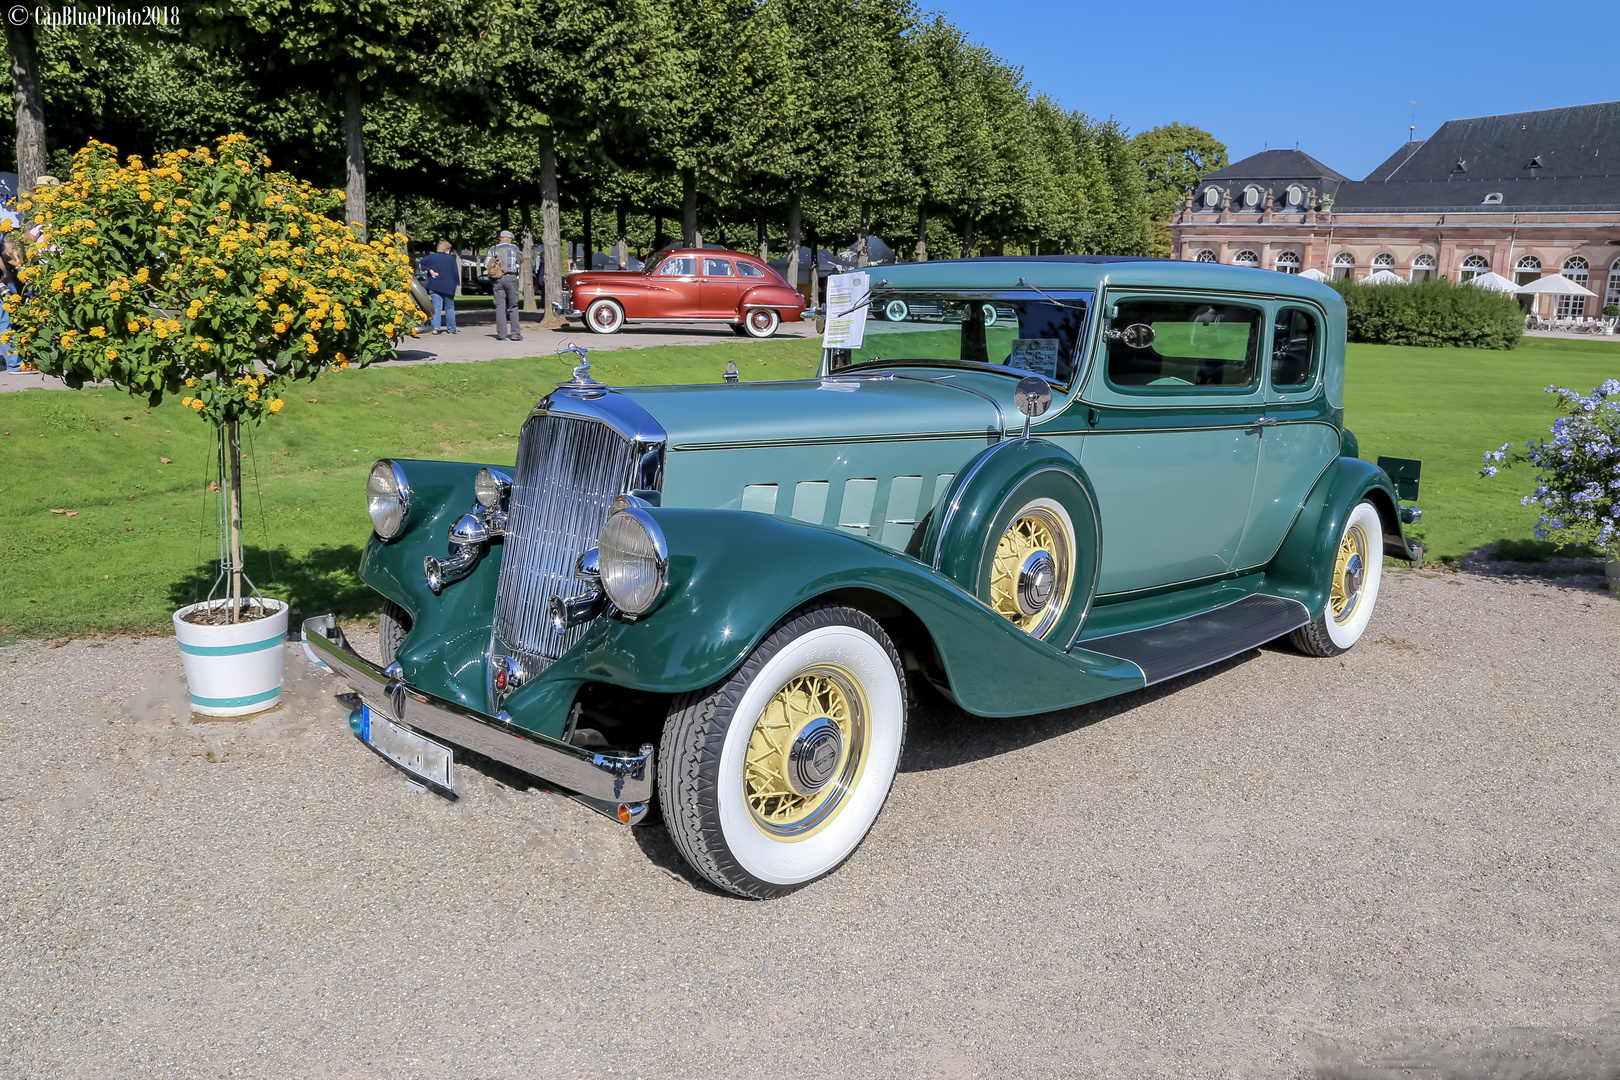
<point>967,519</point>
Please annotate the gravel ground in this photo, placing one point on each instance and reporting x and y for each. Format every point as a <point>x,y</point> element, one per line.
<point>1403,859</point>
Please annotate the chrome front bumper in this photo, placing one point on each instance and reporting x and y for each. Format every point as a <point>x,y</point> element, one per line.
<point>624,777</point>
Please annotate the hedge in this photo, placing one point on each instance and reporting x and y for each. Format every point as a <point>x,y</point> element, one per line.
<point>1431,313</point>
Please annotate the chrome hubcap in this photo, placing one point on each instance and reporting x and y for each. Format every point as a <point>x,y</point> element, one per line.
<point>1037,579</point>
<point>813,758</point>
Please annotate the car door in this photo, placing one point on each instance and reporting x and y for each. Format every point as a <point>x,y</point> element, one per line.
<point>1298,439</point>
<point>677,278</point>
<point>1171,447</point>
<point>719,288</point>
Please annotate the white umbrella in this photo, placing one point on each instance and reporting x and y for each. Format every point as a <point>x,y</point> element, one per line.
<point>1313,274</point>
<point>1557,284</point>
<point>1383,277</point>
<point>1493,281</point>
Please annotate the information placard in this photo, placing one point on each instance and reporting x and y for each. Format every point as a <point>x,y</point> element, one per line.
<point>1039,355</point>
<point>846,328</point>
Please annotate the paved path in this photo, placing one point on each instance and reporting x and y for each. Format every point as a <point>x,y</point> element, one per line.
<point>1283,867</point>
<point>476,341</point>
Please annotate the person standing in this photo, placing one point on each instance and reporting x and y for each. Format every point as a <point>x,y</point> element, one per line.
<point>443,273</point>
<point>9,260</point>
<point>502,264</point>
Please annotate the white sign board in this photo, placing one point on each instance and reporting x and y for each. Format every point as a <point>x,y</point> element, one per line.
<point>846,328</point>
<point>1039,355</point>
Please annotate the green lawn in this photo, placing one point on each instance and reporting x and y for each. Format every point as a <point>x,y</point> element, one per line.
<point>143,533</point>
<point>1448,406</point>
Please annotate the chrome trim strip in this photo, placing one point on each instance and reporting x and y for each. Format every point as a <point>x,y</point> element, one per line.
<point>836,440</point>
<point>621,776</point>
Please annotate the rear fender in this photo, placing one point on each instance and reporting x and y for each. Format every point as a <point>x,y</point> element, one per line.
<point>785,300</point>
<point>734,574</point>
<point>1304,563</point>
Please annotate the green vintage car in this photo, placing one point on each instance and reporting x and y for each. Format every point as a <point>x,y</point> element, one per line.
<point>1036,482</point>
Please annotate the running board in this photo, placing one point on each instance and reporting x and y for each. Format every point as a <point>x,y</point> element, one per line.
<point>1163,652</point>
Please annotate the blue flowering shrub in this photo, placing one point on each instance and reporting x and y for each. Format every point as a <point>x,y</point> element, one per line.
<point>1578,470</point>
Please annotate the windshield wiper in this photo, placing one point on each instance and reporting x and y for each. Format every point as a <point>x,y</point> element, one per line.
<point>1080,306</point>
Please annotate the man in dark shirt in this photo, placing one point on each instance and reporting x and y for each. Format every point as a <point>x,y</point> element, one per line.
<point>443,274</point>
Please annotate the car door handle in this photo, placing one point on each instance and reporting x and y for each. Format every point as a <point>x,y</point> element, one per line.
<point>1265,421</point>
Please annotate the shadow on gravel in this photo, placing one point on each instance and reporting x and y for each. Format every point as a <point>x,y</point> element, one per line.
<point>320,581</point>
<point>1568,567</point>
<point>1528,1053</point>
<point>942,735</point>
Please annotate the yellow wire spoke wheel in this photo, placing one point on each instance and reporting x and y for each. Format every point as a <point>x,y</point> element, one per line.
<point>1032,570</point>
<point>1349,574</point>
<point>806,752</point>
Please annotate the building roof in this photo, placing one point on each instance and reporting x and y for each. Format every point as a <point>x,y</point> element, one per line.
<point>1276,165</point>
<point>1394,161</point>
<point>1549,159</point>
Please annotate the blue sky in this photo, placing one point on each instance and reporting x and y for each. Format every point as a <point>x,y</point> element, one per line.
<point>1337,79</point>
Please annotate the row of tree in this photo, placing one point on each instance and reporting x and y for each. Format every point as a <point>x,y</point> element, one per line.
<point>799,121</point>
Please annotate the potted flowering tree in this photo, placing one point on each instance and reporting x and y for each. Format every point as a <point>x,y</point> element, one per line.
<point>1578,478</point>
<point>208,276</point>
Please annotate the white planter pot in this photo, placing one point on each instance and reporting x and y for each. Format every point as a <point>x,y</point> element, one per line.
<point>1612,568</point>
<point>233,670</point>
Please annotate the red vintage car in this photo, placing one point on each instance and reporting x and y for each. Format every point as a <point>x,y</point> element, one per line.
<point>681,285</point>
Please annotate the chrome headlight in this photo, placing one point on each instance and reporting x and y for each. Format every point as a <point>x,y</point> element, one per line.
<point>388,496</point>
<point>491,487</point>
<point>633,560</point>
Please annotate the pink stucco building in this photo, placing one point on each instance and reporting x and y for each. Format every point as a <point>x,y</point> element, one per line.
<point>1523,194</point>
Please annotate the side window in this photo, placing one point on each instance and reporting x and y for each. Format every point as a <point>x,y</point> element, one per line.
<point>1293,349</point>
<point>749,270</point>
<point>1207,346</point>
<point>716,267</point>
<point>678,266</point>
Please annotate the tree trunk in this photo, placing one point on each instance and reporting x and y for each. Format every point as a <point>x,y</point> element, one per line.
<point>922,233</point>
<point>590,243</point>
<point>863,256</point>
<point>793,241</point>
<point>689,225</point>
<point>624,239</point>
<point>30,110</point>
<point>528,265</point>
<point>969,237</point>
<point>233,489</point>
<point>550,229</point>
<point>658,231</point>
<point>764,242</point>
<point>354,139</point>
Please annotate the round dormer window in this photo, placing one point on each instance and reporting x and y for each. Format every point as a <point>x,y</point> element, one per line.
<point>1296,195</point>
<point>1251,197</point>
<point>1212,197</point>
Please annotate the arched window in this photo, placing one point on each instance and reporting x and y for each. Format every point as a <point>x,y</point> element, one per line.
<point>1423,268</point>
<point>1473,266</point>
<point>1206,256</point>
<point>1245,258</point>
<point>1528,270</point>
<point>1212,198</point>
<point>1383,261</point>
<point>1344,265</point>
<point>1611,295</point>
<point>1288,262</point>
<point>1573,306</point>
<point>1252,197</point>
<point>1295,195</point>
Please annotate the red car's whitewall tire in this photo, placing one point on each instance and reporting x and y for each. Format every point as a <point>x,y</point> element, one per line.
<point>761,322</point>
<point>604,316</point>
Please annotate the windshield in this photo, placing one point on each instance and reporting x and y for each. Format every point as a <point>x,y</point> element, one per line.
<point>650,267</point>
<point>1036,332</point>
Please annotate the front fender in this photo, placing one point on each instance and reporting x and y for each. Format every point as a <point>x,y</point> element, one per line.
<point>1304,563</point>
<point>446,650</point>
<point>734,574</point>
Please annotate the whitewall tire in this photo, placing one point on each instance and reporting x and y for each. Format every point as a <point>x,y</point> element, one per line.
<point>772,778</point>
<point>760,322</point>
<point>604,316</point>
<point>1358,570</point>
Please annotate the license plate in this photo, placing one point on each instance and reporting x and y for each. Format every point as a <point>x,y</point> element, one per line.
<point>422,758</point>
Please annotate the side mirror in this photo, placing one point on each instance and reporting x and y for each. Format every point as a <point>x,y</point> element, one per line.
<point>1032,395</point>
<point>1134,336</point>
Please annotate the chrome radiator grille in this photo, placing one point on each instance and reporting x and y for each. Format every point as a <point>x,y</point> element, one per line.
<point>568,472</point>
